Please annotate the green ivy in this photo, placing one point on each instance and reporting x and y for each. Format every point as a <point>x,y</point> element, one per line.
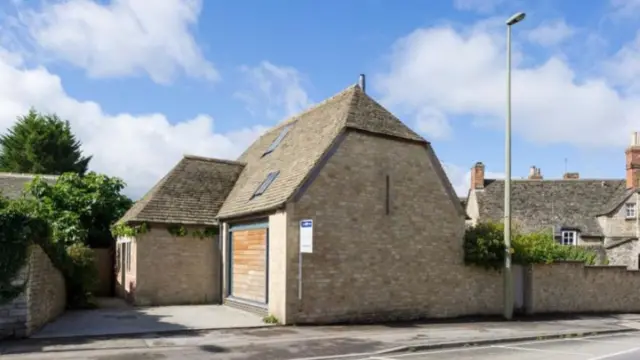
<point>484,246</point>
<point>64,219</point>
<point>124,230</point>
<point>177,230</point>
<point>211,231</point>
<point>18,231</point>
<point>181,231</point>
<point>14,242</point>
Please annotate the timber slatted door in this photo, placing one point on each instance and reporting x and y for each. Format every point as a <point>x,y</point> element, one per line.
<point>249,265</point>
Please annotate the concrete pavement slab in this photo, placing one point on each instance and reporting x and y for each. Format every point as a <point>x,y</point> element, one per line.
<point>128,321</point>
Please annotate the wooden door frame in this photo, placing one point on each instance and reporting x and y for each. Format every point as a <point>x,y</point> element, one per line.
<point>229,254</point>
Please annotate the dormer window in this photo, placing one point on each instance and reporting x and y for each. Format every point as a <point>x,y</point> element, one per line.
<point>278,140</point>
<point>569,237</point>
<point>630,210</point>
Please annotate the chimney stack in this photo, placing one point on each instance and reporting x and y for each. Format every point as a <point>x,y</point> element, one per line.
<point>633,161</point>
<point>362,83</point>
<point>535,173</point>
<point>477,176</point>
<point>571,176</point>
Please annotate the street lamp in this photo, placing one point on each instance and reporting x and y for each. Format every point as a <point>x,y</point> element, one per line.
<point>508,281</point>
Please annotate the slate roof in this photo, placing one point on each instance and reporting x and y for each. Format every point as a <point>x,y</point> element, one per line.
<point>191,193</point>
<point>12,185</point>
<point>543,204</point>
<point>614,203</point>
<point>310,136</point>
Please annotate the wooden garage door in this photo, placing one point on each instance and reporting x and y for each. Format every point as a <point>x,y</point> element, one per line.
<point>249,265</point>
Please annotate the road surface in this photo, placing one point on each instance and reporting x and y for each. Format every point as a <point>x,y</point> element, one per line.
<point>614,347</point>
<point>603,347</point>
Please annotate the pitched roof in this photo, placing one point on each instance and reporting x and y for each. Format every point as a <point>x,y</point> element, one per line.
<point>310,135</point>
<point>191,193</point>
<point>542,204</point>
<point>12,185</point>
<point>614,203</point>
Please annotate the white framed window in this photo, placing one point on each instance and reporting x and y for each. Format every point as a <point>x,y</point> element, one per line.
<point>125,250</point>
<point>630,210</point>
<point>569,238</point>
<point>128,256</point>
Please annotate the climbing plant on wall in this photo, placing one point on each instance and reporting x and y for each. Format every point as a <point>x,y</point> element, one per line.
<point>17,232</point>
<point>182,231</point>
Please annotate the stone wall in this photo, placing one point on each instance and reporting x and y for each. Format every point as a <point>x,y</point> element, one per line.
<point>43,300</point>
<point>176,270</point>
<point>379,254</point>
<point>572,287</point>
<point>624,253</point>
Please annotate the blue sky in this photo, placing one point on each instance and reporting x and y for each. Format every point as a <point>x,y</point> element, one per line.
<point>144,82</point>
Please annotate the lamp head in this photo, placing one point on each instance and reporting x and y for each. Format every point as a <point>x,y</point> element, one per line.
<point>516,18</point>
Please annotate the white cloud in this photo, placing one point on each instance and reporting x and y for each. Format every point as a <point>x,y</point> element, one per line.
<point>481,6</point>
<point>551,33</point>
<point>626,8</point>
<point>276,91</point>
<point>138,148</point>
<point>624,66</point>
<point>122,37</point>
<point>433,123</point>
<point>466,73</point>
<point>460,177</point>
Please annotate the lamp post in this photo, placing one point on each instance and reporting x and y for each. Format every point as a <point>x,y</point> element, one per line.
<point>508,280</point>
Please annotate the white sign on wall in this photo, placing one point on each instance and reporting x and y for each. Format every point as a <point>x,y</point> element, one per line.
<point>306,236</point>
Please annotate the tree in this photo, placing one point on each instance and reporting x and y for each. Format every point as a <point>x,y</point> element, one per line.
<point>41,144</point>
<point>80,209</point>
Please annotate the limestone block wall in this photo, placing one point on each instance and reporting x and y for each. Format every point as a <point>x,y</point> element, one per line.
<point>43,300</point>
<point>572,287</point>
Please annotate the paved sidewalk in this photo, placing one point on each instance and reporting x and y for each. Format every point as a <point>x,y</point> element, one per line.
<point>284,343</point>
<point>126,320</point>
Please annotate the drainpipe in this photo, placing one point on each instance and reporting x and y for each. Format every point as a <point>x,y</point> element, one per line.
<point>637,196</point>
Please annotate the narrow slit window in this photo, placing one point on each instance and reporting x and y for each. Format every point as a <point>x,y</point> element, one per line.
<point>278,140</point>
<point>265,184</point>
<point>387,195</point>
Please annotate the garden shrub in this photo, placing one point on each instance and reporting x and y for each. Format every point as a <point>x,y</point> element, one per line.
<point>82,275</point>
<point>65,219</point>
<point>484,246</point>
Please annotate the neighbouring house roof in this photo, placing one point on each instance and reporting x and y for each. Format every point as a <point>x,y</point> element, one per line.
<point>191,193</point>
<point>614,203</point>
<point>310,134</point>
<point>12,185</point>
<point>542,204</point>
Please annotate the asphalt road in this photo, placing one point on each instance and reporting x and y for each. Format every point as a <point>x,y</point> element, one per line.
<point>613,347</point>
<point>604,347</point>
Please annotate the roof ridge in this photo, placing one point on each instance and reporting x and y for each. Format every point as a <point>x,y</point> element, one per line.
<point>202,158</point>
<point>363,103</point>
<point>314,107</point>
<point>27,175</point>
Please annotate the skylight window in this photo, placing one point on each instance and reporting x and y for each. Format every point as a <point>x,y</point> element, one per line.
<point>278,140</point>
<point>265,184</point>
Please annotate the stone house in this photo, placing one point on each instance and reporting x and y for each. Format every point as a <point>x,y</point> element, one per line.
<point>12,185</point>
<point>174,260</point>
<point>602,213</point>
<point>340,213</point>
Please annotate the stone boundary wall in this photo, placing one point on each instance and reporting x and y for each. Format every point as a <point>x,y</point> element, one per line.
<point>572,287</point>
<point>43,300</point>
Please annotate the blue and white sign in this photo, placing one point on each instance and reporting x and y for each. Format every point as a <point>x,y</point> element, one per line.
<point>306,236</point>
